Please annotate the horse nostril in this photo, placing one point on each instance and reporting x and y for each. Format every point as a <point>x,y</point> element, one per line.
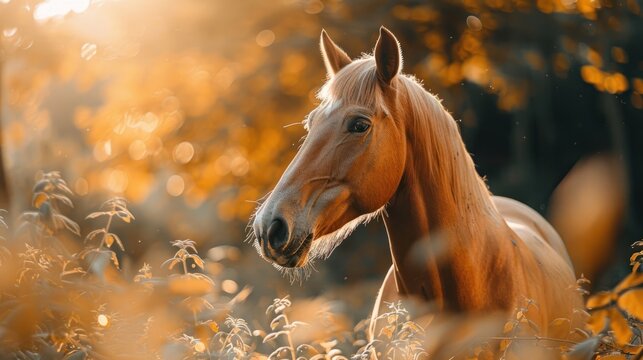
<point>277,234</point>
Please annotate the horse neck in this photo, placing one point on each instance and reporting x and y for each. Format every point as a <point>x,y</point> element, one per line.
<point>440,209</point>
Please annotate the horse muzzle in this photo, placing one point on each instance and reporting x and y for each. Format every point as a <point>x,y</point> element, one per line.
<point>277,243</point>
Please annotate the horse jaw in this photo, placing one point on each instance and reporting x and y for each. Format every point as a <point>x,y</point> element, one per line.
<point>323,247</point>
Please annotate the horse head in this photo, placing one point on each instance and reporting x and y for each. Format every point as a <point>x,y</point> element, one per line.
<point>349,165</point>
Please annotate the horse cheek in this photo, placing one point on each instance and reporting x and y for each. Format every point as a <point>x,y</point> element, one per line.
<point>383,181</point>
<point>393,162</point>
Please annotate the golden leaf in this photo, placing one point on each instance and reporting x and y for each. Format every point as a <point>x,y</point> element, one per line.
<point>214,326</point>
<point>205,330</point>
<point>198,261</point>
<point>631,280</point>
<point>632,302</point>
<point>600,299</point>
<point>39,198</point>
<point>125,216</point>
<point>596,322</point>
<point>109,240</point>
<point>509,326</point>
<point>504,344</point>
<point>387,331</point>
<point>611,357</point>
<point>622,330</point>
<point>485,355</point>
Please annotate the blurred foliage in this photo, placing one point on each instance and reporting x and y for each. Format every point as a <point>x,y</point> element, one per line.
<point>189,99</point>
<point>58,302</point>
<point>184,109</point>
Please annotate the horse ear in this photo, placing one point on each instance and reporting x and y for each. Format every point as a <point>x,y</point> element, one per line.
<point>388,56</point>
<point>334,57</point>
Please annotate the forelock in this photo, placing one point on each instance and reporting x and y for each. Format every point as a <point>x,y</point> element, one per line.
<point>354,84</point>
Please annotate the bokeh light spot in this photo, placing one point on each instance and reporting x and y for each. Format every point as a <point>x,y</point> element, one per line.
<point>175,185</point>
<point>239,166</point>
<point>474,23</point>
<point>154,145</point>
<point>199,347</point>
<point>224,78</point>
<point>229,286</point>
<point>103,320</point>
<point>183,152</point>
<point>81,186</point>
<point>88,50</point>
<point>137,150</point>
<point>9,32</point>
<point>314,7</point>
<point>117,181</point>
<point>103,150</point>
<point>265,38</point>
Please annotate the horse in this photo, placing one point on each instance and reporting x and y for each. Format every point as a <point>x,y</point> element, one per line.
<point>379,144</point>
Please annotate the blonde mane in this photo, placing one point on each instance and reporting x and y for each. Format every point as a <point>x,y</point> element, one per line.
<point>433,133</point>
<point>438,148</point>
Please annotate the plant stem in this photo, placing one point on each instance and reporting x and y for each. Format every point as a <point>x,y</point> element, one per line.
<point>109,223</point>
<point>290,344</point>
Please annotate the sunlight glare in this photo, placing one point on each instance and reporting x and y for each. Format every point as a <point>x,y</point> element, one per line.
<point>9,32</point>
<point>103,320</point>
<point>50,9</point>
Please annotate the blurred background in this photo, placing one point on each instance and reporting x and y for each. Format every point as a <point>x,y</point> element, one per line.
<point>184,108</point>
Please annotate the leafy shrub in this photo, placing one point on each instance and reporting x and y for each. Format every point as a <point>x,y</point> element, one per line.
<point>63,299</point>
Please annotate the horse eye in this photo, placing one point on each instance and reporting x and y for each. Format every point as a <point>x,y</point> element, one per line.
<point>358,125</point>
